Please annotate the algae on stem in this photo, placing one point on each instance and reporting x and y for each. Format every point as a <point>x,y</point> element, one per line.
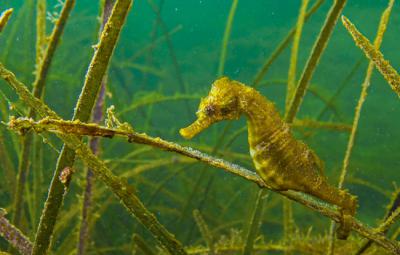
<point>40,30</point>
<point>389,73</point>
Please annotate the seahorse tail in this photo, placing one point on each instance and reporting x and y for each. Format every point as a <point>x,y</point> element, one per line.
<point>347,211</point>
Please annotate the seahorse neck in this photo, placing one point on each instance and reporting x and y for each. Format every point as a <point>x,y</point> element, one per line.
<point>262,117</point>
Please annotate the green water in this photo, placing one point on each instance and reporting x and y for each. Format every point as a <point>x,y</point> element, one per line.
<point>143,66</point>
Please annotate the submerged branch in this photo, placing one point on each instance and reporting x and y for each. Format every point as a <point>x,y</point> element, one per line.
<point>63,127</point>
<point>13,235</point>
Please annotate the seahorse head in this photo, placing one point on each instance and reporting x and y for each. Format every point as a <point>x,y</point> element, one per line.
<point>221,103</point>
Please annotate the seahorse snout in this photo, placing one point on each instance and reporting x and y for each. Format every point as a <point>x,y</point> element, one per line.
<point>195,128</point>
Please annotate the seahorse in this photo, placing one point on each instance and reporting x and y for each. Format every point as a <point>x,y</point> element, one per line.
<point>282,161</point>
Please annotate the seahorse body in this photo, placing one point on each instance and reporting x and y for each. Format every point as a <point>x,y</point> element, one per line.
<point>283,162</point>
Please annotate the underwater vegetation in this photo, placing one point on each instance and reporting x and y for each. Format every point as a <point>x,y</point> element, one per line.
<point>116,177</point>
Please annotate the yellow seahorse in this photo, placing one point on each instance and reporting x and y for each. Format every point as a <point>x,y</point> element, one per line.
<point>283,162</point>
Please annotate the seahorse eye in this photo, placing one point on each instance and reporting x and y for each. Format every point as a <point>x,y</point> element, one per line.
<point>225,110</point>
<point>209,110</point>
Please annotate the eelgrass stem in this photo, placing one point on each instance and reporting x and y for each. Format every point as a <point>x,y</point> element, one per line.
<point>291,83</point>
<point>363,95</point>
<point>225,40</point>
<point>312,62</point>
<point>389,73</point>
<point>83,109</point>
<point>204,230</point>
<point>119,187</point>
<point>94,144</point>
<point>38,87</point>
<point>288,221</point>
<point>255,222</point>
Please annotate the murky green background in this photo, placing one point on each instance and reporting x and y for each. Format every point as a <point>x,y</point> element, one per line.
<point>137,74</point>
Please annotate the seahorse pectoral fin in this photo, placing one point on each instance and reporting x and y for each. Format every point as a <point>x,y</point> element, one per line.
<point>195,128</point>
<point>319,164</point>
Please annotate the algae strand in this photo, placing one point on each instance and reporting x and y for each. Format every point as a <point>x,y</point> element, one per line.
<point>40,30</point>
